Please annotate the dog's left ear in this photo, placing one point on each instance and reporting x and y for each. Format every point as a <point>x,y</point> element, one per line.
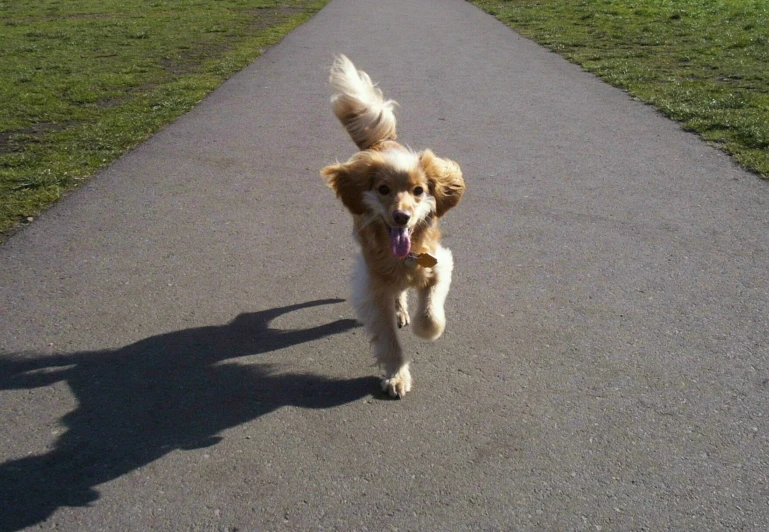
<point>350,180</point>
<point>446,182</point>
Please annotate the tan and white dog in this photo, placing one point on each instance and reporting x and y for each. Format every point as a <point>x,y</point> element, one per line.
<point>396,197</point>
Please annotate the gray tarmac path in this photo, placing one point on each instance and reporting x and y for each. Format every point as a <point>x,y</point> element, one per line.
<point>178,354</point>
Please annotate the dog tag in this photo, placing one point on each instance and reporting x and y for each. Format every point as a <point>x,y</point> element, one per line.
<point>426,260</point>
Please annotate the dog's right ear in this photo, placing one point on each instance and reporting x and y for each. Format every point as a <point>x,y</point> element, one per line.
<point>350,180</point>
<point>446,182</point>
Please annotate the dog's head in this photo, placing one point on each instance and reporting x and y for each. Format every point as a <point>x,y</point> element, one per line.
<point>400,187</point>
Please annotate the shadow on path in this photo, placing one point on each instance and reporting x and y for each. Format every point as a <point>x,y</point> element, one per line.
<point>137,403</point>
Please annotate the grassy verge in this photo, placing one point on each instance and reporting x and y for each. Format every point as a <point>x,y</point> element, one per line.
<point>704,63</point>
<point>83,81</point>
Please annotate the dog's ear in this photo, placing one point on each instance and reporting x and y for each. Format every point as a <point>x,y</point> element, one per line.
<point>350,180</point>
<point>446,182</point>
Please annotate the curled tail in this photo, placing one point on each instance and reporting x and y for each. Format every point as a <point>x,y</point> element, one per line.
<point>360,105</point>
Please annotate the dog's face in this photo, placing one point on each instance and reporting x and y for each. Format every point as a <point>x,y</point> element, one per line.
<point>399,190</point>
<point>400,187</point>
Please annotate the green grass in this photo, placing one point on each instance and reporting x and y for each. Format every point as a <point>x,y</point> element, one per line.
<point>84,81</point>
<point>704,63</point>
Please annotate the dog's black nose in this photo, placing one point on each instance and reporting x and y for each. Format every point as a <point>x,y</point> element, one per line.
<point>401,217</point>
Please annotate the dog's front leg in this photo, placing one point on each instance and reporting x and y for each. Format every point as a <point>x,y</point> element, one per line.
<point>387,348</point>
<point>430,317</point>
<point>388,352</point>
<point>375,306</point>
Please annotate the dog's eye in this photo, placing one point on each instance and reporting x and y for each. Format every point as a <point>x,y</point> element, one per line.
<point>418,191</point>
<point>384,190</point>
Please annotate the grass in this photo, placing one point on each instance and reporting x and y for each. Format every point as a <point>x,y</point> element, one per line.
<point>704,63</point>
<point>84,81</point>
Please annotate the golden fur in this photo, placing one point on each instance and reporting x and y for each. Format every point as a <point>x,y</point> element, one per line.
<point>396,197</point>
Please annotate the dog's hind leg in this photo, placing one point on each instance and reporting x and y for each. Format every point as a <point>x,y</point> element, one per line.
<point>375,307</point>
<point>402,309</point>
<point>430,318</point>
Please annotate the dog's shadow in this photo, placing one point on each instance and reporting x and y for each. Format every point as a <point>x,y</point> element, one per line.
<point>138,403</point>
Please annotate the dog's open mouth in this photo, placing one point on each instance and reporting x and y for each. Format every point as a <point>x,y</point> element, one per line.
<point>400,241</point>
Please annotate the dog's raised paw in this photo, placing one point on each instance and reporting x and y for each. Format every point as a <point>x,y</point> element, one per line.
<point>430,325</point>
<point>398,384</point>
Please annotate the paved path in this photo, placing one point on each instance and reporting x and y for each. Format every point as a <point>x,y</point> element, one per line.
<point>185,359</point>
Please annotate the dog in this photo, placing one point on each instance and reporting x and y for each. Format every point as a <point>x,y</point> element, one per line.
<point>396,197</point>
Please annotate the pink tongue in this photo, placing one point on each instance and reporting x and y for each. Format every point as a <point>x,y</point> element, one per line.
<point>400,243</point>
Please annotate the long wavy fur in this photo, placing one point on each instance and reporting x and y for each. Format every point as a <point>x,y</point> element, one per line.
<point>360,105</point>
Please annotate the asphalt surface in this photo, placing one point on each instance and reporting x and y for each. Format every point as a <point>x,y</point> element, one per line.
<point>178,354</point>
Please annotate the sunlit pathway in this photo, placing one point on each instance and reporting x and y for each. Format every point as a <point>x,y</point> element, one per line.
<point>177,353</point>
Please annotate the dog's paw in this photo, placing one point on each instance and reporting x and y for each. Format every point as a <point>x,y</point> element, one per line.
<point>397,384</point>
<point>430,325</point>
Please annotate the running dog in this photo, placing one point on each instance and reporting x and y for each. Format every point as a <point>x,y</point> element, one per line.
<point>396,197</point>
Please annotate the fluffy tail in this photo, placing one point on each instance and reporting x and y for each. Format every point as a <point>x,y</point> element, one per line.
<point>360,105</point>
